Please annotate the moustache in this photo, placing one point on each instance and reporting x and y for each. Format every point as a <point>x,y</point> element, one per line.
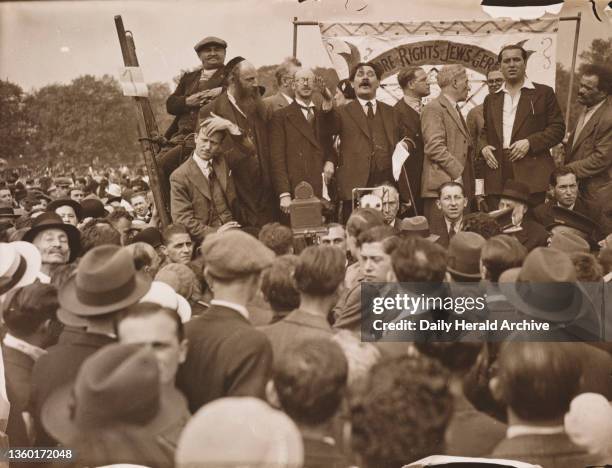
<point>364,82</point>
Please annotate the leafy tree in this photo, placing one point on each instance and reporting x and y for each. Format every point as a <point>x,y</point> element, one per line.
<point>600,52</point>
<point>14,127</point>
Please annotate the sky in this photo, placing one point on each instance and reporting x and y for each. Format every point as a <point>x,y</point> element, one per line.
<point>54,42</point>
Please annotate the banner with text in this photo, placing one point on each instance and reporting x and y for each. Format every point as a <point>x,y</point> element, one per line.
<point>432,44</point>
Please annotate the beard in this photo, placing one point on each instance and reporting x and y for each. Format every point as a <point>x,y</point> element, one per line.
<point>248,98</point>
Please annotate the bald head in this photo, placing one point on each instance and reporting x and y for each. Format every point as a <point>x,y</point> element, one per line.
<point>243,81</point>
<point>303,84</point>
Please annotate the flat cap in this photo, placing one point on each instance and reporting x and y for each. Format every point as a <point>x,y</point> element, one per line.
<point>234,253</point>
<point>209,40</point>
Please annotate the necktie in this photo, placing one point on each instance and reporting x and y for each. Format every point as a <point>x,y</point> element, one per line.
<point>452,230</point>
<point>309,113</point>
<point>370,113</point>
<point>209,170</point>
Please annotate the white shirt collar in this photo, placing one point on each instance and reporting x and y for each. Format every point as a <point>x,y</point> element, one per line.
<point>415,103</point>
<point>458,224</point>
<point>528,84</point>
<point>203,165</point>
<point>363,103</point>
<point>26,348</point>
<point>591,110</point>
<point>43,278</point>
<point>303,104</point>
<point>242,310</point>
<point>520,430</point>
<point>232,99</point>
<point>287,98</point>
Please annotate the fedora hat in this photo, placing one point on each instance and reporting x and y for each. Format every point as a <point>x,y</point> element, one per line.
<point>75,205</point>
<point>546,287</point>
<point>116,386</point>
<point>517,191</point>
<point>503,218</point>
<point>93,208</point>
<point>417,225</point>
<point>464,254</point>
<point>571,218</point>
<point>106,281</point>
<point>8,212</point>
<point>19,265</point>
<point>569,242</point>
<point>53,221</point>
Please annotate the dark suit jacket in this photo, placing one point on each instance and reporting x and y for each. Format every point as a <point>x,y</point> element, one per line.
<point>59,367</point>
<point>590,156</point>
<point>226,357</point>
<point>549,451</point>
<point>191,199</point>
<point>17,373</point>
<point>298,325</point>
<point>539,120</point>
<point>275,102</point>
<point>543,213</point>
<point>297,152</point>
<point>532,235</point>
<point>249,160</point>
<point>188,85</point>
<point>448,148</point>
<point>410,126</point>
<point>355,158</point>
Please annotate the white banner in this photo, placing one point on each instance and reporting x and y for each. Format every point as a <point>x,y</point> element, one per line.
<point>431,44</point>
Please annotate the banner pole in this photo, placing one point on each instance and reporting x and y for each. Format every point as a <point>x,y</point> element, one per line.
<point>572,70</point>
<point>295,33</point>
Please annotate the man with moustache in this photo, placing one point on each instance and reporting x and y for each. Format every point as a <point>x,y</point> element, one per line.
<point>296,150</point>
<point>589,152</point>
<point>448,144</point>
<point>240,112</point>
<point>522,121</point>
<point>414,84</point>
<point>368,132</point>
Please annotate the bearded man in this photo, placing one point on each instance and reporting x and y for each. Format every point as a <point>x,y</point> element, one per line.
<point>240,113</point>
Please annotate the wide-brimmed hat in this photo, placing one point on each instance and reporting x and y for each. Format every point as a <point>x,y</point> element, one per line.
<point>19,265</point>
<point>571,218</point>
<point>503,217</point>
<point>8,212</point>
<point>417,225</point>
<point>75,205</point>
<point>517,191</point>
<point>261,436</point>
<point>106,281</point>
<point>113,191</point>
<point>118,386</point>
<point>53,221</point>
<point>546,287</point>
<point>163,295</point>
<point>464,254</point>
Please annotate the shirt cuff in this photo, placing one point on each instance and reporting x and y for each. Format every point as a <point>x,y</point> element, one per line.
<point>479,188</point>
<point>284,194</point>
<point>235,130</point>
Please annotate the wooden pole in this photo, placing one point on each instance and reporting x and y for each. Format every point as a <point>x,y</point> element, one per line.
<point>148,131</point>
<point>572,70</point>
<point>295,32</point>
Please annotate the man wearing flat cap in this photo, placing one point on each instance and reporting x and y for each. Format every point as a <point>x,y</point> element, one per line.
<point>196,88</point>
<point>227,356</point>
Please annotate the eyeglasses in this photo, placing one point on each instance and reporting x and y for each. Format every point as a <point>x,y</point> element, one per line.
<point>302,81</point>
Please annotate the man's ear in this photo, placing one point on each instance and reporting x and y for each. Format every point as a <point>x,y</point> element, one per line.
<point>272,395</point>
<point>183,347</point>
<point>439,205</point>
<point>391,278</point>
<point>209,279</point>
<point>483,270</point>
<point>496,389</point>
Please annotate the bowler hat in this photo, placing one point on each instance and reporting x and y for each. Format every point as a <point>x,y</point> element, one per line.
<point>75,205</point>
<point>209,40</point>
<point>93,208</point>
<point>234,254</point>
<point>464,254</point>
<point>106,281</point>
<point>19,265</point>
<point>571,218</point>
<point>546,287</point>
<point>569,242</point>
<point>417,225</point>
<point>116,386</point>
<point>53,221</point>
<point>517,191</point>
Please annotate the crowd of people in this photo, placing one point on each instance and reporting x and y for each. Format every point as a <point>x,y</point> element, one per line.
<point>229,339</point>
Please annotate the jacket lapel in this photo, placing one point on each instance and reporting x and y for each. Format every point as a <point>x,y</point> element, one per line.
<point>198,179</point>
<point>453,113</point>
<point>387,118</point>
<point>296,117</point>
<point>497,110</point>
<point>356,112</point>
<point>525,107</point>
<point>220,172</point>
<point>590,125</point>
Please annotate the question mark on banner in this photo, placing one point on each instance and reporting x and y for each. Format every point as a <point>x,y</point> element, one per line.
<point>367,54</point>
<point>544,54</point>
